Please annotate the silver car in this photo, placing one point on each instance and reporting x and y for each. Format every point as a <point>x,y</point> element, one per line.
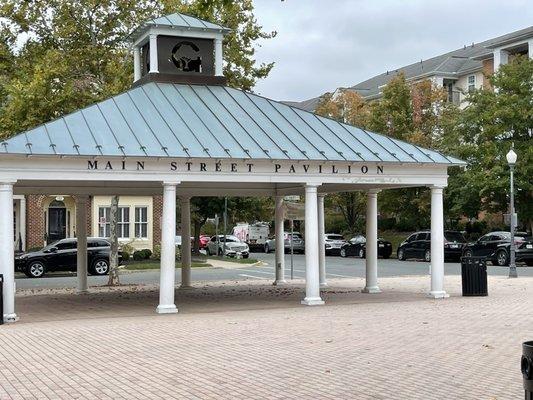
<point>334,242</point>
<point>234,247</point>
<point>298,243</point>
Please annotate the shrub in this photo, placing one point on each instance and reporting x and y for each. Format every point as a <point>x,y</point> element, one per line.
<point>156,254</point>
<point>127,247</point>
<point>125,255</point>
<point>140,255</point>
<point>147,253</point>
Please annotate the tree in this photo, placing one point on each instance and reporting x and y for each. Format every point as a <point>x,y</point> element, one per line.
<point>484,132</point>
<point>114,278</point>
<point>345,106</point>
<point>74,53</point>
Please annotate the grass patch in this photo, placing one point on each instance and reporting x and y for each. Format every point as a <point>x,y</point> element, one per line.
<point>152,264</point>
<point>395,238</point>
<point>234,260</point>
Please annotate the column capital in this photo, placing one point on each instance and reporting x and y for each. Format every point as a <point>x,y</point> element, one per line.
<point>373,191</point>
<point>314,185</point>
<point>153,36</point>
<point>321,195</point>
<point>437,188</point>
<point>7,182</point>
<point>167,184</point>
<point>186,197</point>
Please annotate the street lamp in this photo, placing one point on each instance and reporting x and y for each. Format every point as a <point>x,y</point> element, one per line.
<point>511,160</point>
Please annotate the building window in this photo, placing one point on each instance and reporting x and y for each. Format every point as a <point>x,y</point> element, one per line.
<point>123,222</point>
<point>141,222</point>
<point>471,83</point>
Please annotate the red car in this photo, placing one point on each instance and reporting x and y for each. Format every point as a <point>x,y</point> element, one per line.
<point>204,239</point>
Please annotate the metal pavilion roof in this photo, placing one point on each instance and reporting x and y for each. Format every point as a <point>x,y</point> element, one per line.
<point>179,21</point>
<point>200,121</point>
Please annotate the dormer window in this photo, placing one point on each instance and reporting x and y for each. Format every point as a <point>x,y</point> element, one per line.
<point>471,83</point>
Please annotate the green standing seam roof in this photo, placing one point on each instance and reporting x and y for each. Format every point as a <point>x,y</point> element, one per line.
<point>202,121</point>
<point>179,21</point>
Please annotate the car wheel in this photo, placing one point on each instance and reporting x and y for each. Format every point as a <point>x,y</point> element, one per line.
<point>502,259</point>
<point>343,252</point>
<point>267,249</point>
<point>467,253</point>
<point>427,255</point>
<point>361,253</point>
<point>100,267</point>
<point>401,255</point>
<point>35,269</point>
<point>245,256</point>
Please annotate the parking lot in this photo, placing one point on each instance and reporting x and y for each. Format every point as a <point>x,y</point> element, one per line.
<point>337,268</point>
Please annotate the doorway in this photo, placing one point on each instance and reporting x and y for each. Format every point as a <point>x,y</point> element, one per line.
<point>57,221</point>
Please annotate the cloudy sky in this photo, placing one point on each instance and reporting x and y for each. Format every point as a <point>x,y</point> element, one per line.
<point>325,44</point>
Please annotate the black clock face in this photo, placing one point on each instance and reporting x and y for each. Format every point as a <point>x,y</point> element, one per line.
<point>186,57</point>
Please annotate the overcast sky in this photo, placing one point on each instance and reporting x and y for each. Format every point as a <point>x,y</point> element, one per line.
<point>325,44</point>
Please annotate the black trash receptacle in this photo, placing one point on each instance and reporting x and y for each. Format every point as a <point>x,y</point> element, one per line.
<point>527,369</point>
<point>474,276</point>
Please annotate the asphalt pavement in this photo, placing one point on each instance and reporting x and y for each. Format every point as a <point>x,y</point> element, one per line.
<point>336,267</point>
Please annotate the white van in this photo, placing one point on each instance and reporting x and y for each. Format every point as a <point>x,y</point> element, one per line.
<point>255,235</point>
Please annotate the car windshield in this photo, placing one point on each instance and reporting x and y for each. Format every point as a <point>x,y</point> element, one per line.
<point>296,236</point>
<point>53,244</point>
<point>335,237</point>
<point>230,238</point>
<point>454,237</point>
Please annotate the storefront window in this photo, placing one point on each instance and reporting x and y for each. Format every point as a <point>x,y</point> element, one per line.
<point>123,222</point>
<point>141,222</point>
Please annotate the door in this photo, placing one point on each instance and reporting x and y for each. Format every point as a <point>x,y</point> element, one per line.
<point>57,223</point>
<point>66,255</point>
<point>409,249</point>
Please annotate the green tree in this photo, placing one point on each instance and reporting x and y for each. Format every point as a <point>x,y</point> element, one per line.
<point>58,56</point>
<point>483,133</point>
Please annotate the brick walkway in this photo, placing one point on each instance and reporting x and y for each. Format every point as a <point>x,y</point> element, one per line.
<point>256,342</point>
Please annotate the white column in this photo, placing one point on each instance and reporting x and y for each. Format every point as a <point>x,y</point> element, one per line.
<point>371,251</point>
<point>7,250</point>
<point>81,235</point>
<point>154,68</point>
<point>185,242</point>
<point>321,242</point>
<point>218,58</point>
<point>168,250</point>
<point>530,48</point>
<point>500,57</point>
<point>22,221</point>
<point>437,243</point>
<point>136,63</point>
<point>312,278</point>
<point>280,242</point>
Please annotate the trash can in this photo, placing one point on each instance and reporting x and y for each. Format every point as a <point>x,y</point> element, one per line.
<point>526,366</point>
<point>474,276</point>
<point>1,299</point>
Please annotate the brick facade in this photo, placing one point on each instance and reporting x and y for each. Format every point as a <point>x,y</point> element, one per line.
<point>157,214</point>
<point>35,225</point>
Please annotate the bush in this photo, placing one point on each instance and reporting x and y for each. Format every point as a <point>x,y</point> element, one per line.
<point>156,254</point>
<point>140,255</point>
<point>125,255</point>
<point>128,248</point>
<point>387,224</point>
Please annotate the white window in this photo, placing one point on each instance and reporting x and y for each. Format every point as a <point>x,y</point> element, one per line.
<point>123,222</point>
<point>141,222</point>
<point>471,83</point>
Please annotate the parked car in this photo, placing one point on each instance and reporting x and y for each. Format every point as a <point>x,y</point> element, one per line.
<point>204,239</point>
<point>298,244</point>
<point>334,242</point>
<point>255,235</point>
<point>418,245</point>
<point>177,240</point>
<point>357,247</point>
<point>62,256</point>
<point>495,246</point>
<point>234,246</point>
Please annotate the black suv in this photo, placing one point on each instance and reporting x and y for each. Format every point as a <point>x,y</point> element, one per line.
<point>495,246</point>
<point>62,256</point>
<point>418,245</point>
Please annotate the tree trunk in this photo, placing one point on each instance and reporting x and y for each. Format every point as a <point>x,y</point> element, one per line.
<point>197,227</point>
<point>113,238</point>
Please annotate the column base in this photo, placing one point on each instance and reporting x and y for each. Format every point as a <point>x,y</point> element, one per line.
<point>10,318</point>
<point>279,282</point>
<point>324,285</point>
<point>186,287</point>
<point>438,294</point>
<point>82,291</point>
<point>312,301</point>
<point>166,309</point>
<point>371,289</point>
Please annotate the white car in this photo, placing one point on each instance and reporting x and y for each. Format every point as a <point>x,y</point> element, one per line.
<point>334,242</point>
<point>234,247</point>
<point>177,241</point>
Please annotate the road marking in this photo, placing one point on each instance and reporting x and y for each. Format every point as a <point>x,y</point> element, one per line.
<point>341,276</point>
<point>253,276</point>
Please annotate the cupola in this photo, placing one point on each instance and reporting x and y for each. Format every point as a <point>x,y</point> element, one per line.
<point>178,48</point>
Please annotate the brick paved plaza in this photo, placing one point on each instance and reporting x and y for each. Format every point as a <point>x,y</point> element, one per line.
<point>236,341</point>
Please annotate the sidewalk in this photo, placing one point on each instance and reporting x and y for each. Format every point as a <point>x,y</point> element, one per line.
<point>254,341</point>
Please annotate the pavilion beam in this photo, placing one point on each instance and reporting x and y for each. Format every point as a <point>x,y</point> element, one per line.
<point>312,278</point>
<point>167,276</point>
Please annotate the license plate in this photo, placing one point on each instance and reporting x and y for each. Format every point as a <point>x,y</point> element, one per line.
<point>253,241</point>
<point>529,246</point>
<point>454,246</point>
<point>381,245</point>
